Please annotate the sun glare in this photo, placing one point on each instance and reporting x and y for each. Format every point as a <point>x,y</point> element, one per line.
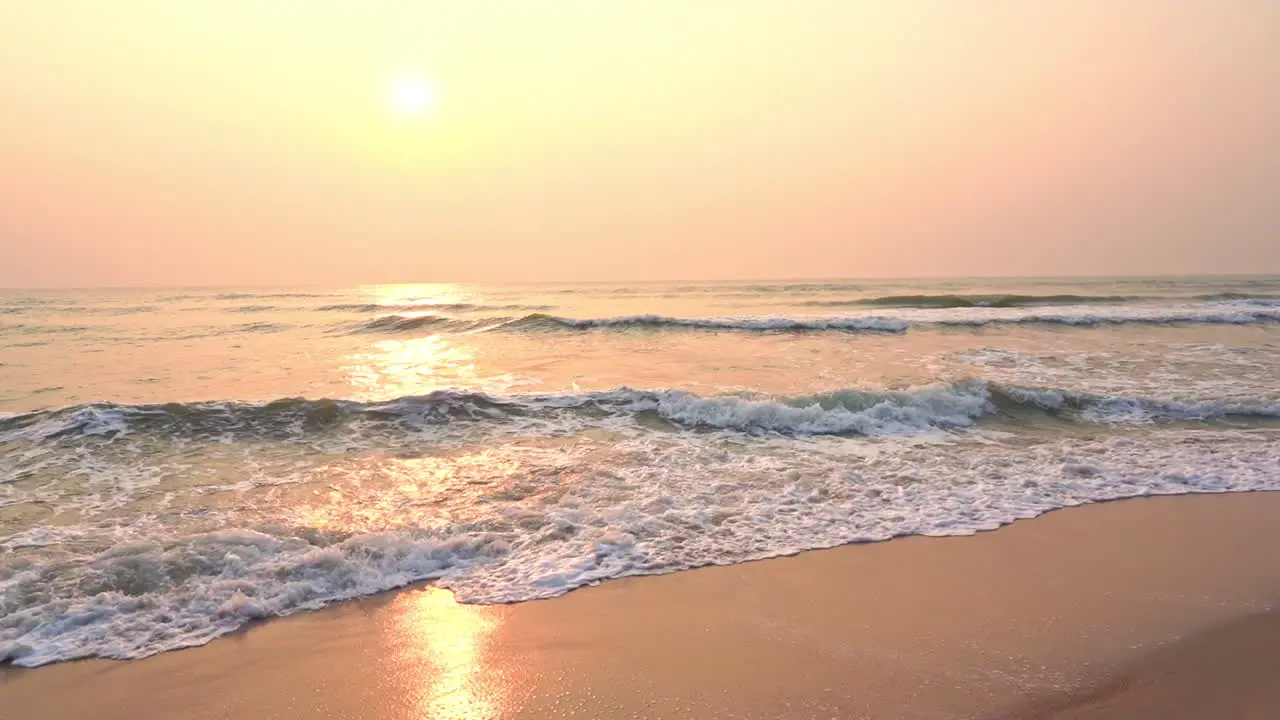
<point>413,95</point>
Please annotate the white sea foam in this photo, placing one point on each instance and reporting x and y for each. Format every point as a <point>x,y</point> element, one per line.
<point>522,523</point>
<point>864,413</point>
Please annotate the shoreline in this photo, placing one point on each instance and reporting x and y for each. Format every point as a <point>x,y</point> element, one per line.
<point>1029,620</point>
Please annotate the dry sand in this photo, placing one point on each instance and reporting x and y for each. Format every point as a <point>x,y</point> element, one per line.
<point>1146,608</point>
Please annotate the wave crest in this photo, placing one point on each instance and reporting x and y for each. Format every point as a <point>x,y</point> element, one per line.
<point>543,322</point>
<point>838,412</point>
<point>975,301</point>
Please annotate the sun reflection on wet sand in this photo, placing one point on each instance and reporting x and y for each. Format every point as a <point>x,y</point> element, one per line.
<point>438,657</point>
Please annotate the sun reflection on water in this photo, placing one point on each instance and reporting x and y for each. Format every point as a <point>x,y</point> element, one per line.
<point>444,360</point>
<point>416,366</point>
<point>439,659</point>
<point>425,494</point>
<point>425,295</point>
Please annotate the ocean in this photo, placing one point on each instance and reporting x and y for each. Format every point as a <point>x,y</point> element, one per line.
<point>177,463</point>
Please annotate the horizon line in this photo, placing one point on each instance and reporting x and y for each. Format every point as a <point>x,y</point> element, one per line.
<point>796,280</point>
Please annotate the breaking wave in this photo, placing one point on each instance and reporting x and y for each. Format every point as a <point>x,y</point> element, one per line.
<point>746,323</point>
<point>924,318</point>
<point>542,322</point>
<point>509,519</point>
<point>839,412</point>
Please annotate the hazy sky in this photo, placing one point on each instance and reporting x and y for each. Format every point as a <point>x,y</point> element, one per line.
<point>178,142</point>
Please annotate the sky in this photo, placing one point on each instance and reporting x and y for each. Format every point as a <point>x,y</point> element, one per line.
<point>259,142</point>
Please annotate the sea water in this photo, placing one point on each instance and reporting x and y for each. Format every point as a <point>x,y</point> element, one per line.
<point>176,463</point>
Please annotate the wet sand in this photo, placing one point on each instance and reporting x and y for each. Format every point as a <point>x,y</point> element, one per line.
<point>1231,671</point>
<point>1147,608</point>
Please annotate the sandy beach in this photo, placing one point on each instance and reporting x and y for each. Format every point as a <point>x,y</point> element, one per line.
<point>646,360</point>
<point>1155,607</point>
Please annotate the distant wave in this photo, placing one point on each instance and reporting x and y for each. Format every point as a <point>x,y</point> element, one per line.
<point>35,329</point>
<point>1135,316</point>
<point>46,309</point>
<point>973,301</point>
<point>781,289</point>
<point>996,300</point>
<point>261,327</point>
<point>950,317</point>
<point>210,331</point>
<point>437,307</point>
<point>542,322</point>
<point>838,412</point>
<point>397,324</point>
<point>745,323</point>
<point>252,296</point>
<point>33,301</point>
<point>1233,296</point>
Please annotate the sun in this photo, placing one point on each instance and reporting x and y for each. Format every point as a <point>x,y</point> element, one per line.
<point>413,95</point>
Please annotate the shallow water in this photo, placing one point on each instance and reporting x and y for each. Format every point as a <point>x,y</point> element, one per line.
<point>174,463</point>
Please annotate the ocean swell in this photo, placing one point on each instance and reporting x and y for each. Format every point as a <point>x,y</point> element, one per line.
<point>1228,315</point>
<point>974,301</point>
<point>426,307</point>
<point>536,322</point>
<point>968,316</point>
<point>745,323</point>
